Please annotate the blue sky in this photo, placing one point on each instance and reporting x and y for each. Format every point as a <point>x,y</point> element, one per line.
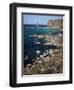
<point>41,19</point>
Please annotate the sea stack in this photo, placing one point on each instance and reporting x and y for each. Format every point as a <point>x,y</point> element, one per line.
<point>37,25</point>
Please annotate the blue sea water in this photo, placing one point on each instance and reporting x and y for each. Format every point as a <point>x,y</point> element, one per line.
<point>29,47</point>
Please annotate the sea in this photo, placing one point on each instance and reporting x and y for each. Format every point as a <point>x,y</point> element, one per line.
<point>30,48</point>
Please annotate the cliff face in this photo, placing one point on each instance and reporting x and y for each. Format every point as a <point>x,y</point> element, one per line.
<point>58,23</point>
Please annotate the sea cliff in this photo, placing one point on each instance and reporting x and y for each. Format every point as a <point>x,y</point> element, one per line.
<point>58,23</point>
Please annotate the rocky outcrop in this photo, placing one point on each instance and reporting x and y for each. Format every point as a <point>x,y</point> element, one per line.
<point>50,39</point>
<point>58,23</point>
<point>52,63</point>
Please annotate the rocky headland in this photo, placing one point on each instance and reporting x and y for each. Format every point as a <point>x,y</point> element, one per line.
<point>58,23</point>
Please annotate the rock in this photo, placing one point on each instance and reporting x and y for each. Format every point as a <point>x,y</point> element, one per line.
<point>58,23</point>
<point>39,62</point>
<point>37,25</point>
<point>37,52</point>
<point>51,51</point>
<point>26,58</point>
<point>42,69</point>
<point>48,43</point>
<point>37,58</point>
<point>36,61</point>
<point>37,43</point>
<point>51,70</point>
<point>33,60</point>
<point>56,50</point>
<point>53,55</point>
<point>60,35</point>
<point>46,51</point>
<point>33,65</point>
<point>41,56</point>
<point>46,59</point>
<point>44,54</point>
<point>28,65</point>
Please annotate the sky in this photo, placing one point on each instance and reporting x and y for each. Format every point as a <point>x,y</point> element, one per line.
<point>40,19</point>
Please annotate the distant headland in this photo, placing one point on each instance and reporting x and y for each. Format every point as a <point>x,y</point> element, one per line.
<point>58,23</point>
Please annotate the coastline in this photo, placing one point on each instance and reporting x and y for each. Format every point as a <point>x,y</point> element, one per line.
<point>51,60</point>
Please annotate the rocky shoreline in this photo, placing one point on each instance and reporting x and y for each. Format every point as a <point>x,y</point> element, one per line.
<point>50,61</point>
<point>56,40</point>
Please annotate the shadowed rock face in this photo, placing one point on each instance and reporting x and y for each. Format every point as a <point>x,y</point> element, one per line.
<point>55,23</point>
